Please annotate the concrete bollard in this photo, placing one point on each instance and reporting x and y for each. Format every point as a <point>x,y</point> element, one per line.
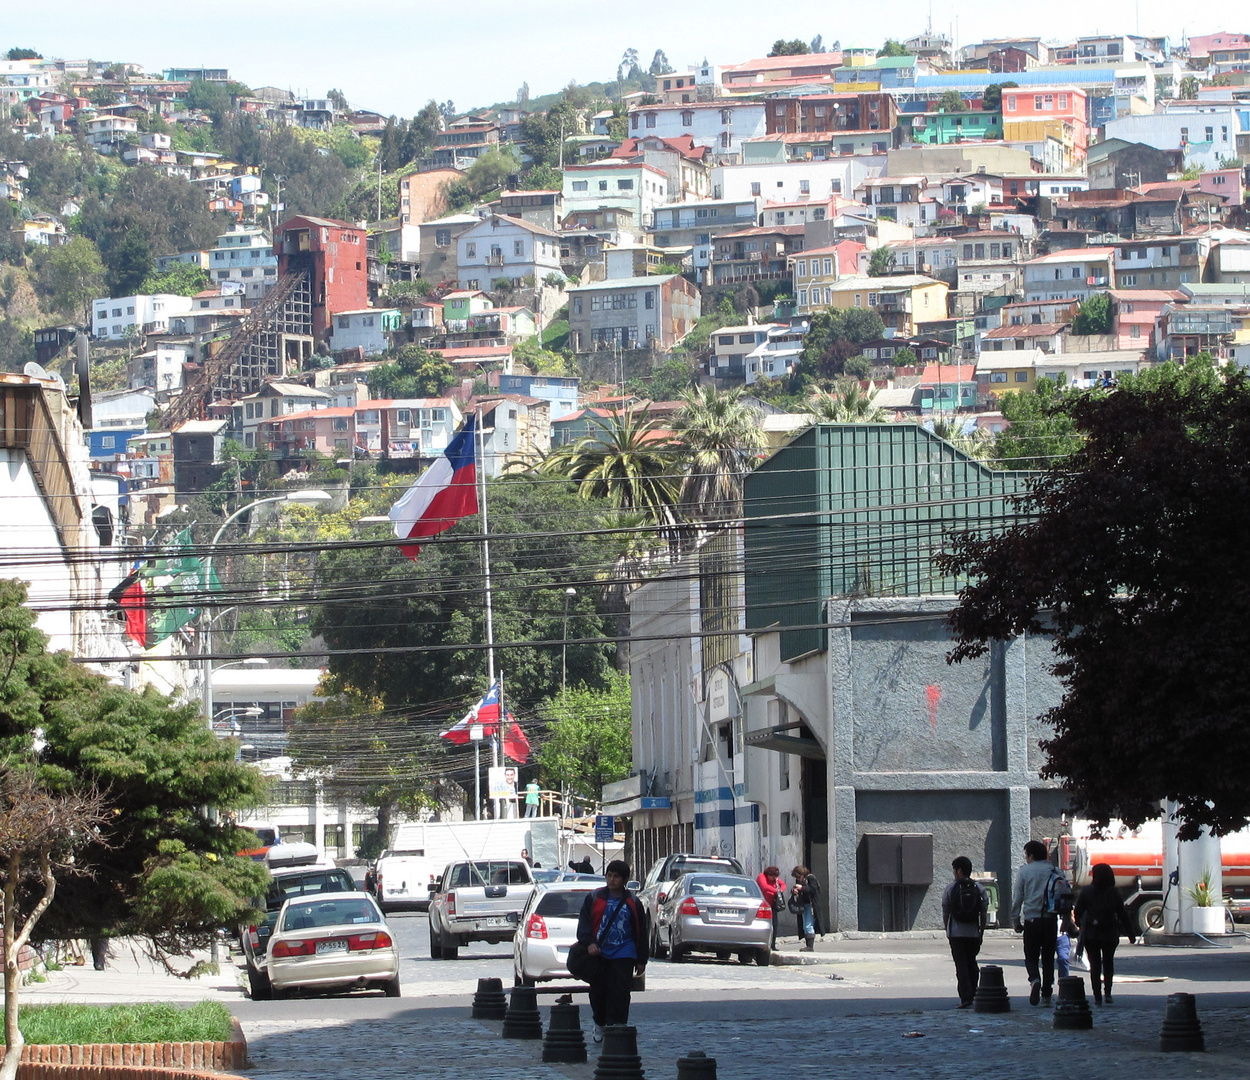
<point>564,1041</point>
<point>696,1065</point>
<point>1181,1029</point>
<point>991,995</point>
<point>489,1002</point>
<point>522,1021</point>
<point>619,1059</point>
<point>1072,1010</point>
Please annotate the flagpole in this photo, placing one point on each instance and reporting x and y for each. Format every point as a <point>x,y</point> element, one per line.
<point>490,617</point>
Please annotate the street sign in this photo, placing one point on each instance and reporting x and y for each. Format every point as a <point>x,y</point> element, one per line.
<point>605,828</point>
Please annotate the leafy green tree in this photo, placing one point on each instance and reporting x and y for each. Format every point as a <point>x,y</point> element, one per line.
<point>22,54</point>
<point>544,133</point>
<point>161,869</point>
<point>951,101</point>
<point>905,357</point>
<point>411,372</point>
<point>587,742</point>
<point>857,367</point>
<point>365,755</point>
<point>337,99</point>
<point>892,48</point>
<point>668,380</point>
<point>992,96</point>
<point>849,403</point>
<point>182,279</point>
<point>660,64</point>
<point>76,275</point>
<point>130,262</point>
<point>722,440</point>
<point>835,336</point>
<point>795,47</point>
<point>1094,315</point>
<point>1189,88</point>
<point>213,98</point>
<point>1041,431</point>
<point>542,178</point>
<point>405,293</point>
<point>433,607</point>
<point>349,147</point>
<point>1148,623</point>
<point>881,262</point>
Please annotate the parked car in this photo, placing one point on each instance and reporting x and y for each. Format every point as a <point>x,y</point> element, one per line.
<point>332,941</point>
<point>665,871</point>
<point>546,931</point>
<point>477,900</point>
<point>717,913</point>
<point>286,885</point>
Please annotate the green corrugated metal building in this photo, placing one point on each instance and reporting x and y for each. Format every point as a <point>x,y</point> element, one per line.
<point>859,510</point>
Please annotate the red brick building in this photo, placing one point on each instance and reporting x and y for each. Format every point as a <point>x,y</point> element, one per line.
<point>333,254</point>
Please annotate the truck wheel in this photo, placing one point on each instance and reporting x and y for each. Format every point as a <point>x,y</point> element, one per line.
<point>436,949</point>
<point>258,985</point>
<point>451,952</point>
<point>1149,916</point>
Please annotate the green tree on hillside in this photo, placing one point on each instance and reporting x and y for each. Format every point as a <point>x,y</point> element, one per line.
<point>182,279</point>
<point>1094,315</point>
<point>992,96</point>
<point>881,262</point>
<point>76,275</point>
<point>410,372</point>
<point>1041,431</point>
<point>794,47</point>
<point>892,48</point>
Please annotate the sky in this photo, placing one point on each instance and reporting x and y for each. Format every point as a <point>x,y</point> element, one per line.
<point>394,57</point>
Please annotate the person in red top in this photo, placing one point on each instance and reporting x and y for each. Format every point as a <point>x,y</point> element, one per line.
<point>614,925</point>
<point>774,890</point>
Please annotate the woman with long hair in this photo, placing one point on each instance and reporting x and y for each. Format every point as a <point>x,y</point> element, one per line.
<point>1101,915</point>
<point>805,903</point>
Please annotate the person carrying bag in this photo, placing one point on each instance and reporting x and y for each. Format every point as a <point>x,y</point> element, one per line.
<point>611,948</point>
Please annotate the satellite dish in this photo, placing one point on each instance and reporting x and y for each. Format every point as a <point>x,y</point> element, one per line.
<point>35,371</point>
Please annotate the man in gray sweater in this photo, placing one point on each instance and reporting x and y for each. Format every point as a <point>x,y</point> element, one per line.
<point>1029,916</point>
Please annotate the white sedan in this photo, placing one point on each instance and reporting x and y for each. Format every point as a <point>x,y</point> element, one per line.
<point>332,941</point>
<point>547,929</point>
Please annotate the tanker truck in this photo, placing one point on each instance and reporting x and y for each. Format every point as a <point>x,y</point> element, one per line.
<point>1136,856</point>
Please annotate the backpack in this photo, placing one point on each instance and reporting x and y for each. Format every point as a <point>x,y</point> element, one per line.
<point>1058,895</point>
<point>966,901</point>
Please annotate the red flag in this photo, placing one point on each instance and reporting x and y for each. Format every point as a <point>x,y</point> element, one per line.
<point>131,597</point>
<point>515,744</point>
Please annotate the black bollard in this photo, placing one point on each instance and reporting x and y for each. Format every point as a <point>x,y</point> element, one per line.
<point>522,1021</point>
<point>489,1002</point>
<point>1181,1029</point>
<point>564,1041</point>
<point>991,995</point>
<point>1072,1011</point>
<point>619,1059</point>
<point>696,1065</point>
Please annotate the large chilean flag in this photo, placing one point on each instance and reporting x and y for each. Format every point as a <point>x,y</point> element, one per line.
<point>442,495</point>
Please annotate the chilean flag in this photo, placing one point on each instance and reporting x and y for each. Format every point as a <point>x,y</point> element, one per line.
<point>442,495</point>
<point>486,712</point>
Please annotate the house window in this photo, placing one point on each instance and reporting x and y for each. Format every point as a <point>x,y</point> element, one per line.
<point>603,185</point>
<point>687,117</point>
<point>580,185</point>
<point>755,189</point>
<point>649,300</point>
<point>801,268</point>
<point>624,185</point>
<point>345,324</point>
<point>805,187</point>
<point>802,298</point>
<point>726,115</point>
<point>1011,103</point>
<point>107,442</point>
<point>633,120</point>
<point>518,247</point>
<point>828,267</point>
<point>998,376</point>
<point>1022,376</point>
<point>470,250</point>
<point>308,425</point>
<point>577,305</point>
<point>650,119</point>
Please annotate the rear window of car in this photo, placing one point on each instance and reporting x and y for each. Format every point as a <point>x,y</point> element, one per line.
<point>721,885</point>
<point>301,916</point>
<point>291,886</point>
<point>482,873</point>
<point>705,866</point>
<point>563,904</point>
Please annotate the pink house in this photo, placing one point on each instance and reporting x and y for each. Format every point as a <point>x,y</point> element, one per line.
<point>1134,312</point>
<point>328,431</point>
<point>1066,103</point>
<point>1225,183</point>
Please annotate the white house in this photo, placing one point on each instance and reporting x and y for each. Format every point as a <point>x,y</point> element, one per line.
<point>411,427</point>
<point>619,184</point>
<point>1205,133</point>
<point>112,318</point>
<point>720,125</point>
<point>106,132</point>
<point>1074,274</point>
<point>511,248</point>
<point>789,182</point>
<point>244,255</point>
<point>366,329</point>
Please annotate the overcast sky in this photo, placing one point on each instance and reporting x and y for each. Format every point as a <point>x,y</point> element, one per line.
<point>393,57</point>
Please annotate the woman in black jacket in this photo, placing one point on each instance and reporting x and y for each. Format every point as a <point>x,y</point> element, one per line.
<point>805,903</point>
<point>1101,915</point>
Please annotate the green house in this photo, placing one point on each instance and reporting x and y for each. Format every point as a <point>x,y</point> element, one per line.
<point>941,128</point>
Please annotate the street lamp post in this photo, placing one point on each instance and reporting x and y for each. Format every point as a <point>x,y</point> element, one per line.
<point>309,496</point>
<point>569,593</point>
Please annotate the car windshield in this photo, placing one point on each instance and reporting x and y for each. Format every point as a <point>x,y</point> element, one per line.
<point>565,904</point>
<point>695,866</point>
<point>349,910</point>
<point>721,885</point>
<point>292,886</point>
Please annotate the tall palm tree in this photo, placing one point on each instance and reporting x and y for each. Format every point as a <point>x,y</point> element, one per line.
<point>722,439</point>
<point>628,462</point>
<point>849,403</point>
<point>977,443</point>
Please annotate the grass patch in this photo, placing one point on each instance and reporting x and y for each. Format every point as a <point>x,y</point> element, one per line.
<point>205,1021</point>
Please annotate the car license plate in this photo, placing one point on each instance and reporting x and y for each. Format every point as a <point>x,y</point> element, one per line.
<point>496,922</point>
<point>725,914</point>
<point>325,947</point>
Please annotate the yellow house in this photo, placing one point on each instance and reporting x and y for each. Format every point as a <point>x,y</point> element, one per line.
<point>1000,373</point>
<point>903,300</point>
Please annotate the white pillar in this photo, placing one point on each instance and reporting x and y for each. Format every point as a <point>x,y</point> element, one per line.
<point>1198,859</point>
<point>1172,906</point>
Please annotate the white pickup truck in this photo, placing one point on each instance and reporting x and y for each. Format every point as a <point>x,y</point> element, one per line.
<point>477,900</point>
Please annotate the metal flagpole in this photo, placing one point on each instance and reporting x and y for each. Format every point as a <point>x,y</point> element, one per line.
<point>490,621</point>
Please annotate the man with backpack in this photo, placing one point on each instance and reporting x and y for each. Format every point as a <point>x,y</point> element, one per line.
<point>964,906</point>
<point>1041,897</point>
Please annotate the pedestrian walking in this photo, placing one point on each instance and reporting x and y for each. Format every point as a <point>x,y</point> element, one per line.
<point>525,854</point>
<point>1101,915</point>
<point>614,926</point>
<point>1030,917</point>
<point>805,903</point>
<point>533,793</point>
<point>774,890</point>
<point>964,907</point>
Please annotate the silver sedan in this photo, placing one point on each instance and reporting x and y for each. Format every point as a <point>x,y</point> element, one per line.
<point>333,941</point>
<point>716,913</point>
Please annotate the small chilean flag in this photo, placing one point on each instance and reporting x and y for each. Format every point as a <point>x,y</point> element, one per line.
<point>442,495</point>
<point>485,712</point>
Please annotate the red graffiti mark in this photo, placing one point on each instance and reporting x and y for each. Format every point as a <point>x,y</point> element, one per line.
<point>933,696</point>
